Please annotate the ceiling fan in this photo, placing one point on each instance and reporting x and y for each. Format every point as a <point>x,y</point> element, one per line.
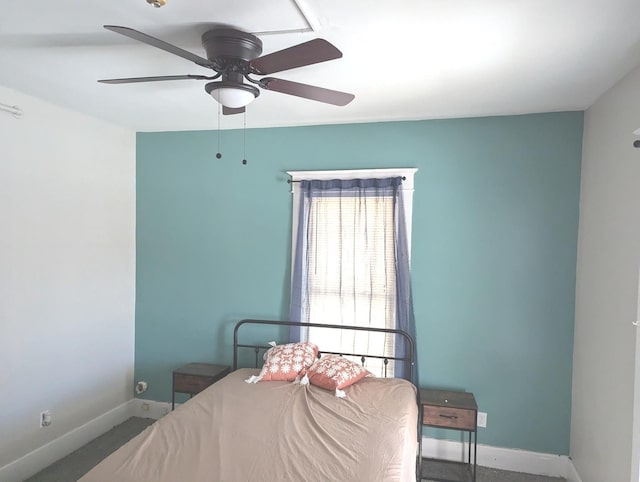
<point>234,56</point>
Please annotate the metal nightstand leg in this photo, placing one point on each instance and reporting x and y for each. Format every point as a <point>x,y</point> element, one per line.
<point>473,467</point>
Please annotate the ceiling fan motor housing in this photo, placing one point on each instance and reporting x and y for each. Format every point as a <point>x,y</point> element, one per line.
<point>229,43</point>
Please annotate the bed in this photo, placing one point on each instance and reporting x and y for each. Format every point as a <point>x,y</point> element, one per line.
<point>278,431</point>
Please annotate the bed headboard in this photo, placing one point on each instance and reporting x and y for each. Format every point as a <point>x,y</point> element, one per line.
<point>408,360</point>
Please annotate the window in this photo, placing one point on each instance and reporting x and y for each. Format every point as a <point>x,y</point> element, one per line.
<point>347,260</point>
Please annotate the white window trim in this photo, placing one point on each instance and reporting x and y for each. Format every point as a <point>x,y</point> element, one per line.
<point>407,172</point>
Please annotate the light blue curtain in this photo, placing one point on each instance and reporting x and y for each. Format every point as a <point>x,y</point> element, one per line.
<point>309,189</point>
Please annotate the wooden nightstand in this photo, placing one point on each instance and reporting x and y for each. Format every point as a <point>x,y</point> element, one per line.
<point>453,411</point>
<point>195,377</point>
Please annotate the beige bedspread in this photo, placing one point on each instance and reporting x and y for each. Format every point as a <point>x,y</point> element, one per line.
<point>276,431</point>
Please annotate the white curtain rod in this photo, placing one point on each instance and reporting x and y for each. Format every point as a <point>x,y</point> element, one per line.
<point>12,109</point>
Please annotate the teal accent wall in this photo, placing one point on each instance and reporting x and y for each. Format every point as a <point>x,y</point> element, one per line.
<point>495,224</point>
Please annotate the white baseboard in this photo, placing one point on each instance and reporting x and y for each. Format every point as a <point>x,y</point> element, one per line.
<point>150,408</point>
<point>504,458</point>
<point>38,459</point>
<point>572,474</point>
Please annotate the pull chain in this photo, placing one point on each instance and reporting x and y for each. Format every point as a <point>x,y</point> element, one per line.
<point>244,138</point>
<point>218,154</point>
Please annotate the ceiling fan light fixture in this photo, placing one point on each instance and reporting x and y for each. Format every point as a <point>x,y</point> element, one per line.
<point>232,94</point>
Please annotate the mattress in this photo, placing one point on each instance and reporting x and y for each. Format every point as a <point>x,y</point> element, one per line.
<point>276,431</point>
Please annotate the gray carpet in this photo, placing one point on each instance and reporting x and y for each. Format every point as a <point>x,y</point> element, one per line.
<point>439,471</point>
<point>78,463</point>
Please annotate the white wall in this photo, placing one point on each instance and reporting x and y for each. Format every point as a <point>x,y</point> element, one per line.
<point>607,289</point>
<point>67,271</point>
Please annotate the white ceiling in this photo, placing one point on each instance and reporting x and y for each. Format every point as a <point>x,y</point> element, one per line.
<point>403,59</point>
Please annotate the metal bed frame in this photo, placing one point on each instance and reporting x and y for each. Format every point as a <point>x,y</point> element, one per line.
<point>408,360</point>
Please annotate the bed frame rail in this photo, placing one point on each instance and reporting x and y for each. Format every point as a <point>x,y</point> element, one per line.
<point>408,360</point>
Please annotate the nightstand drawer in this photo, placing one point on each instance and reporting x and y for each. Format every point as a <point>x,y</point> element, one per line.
<point>449,417</point>
<point>190,383</point>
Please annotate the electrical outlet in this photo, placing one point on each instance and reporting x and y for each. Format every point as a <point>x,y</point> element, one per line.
<point>45,418</point>
<point>482,419</point>
<point>145,406</point>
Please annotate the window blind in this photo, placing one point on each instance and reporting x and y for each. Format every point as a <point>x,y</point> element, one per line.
<point>351,273</point>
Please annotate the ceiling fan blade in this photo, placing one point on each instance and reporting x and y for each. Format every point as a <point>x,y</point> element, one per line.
<point>161,44</point>
<point>131,80</point>
<point>307,91</point>
<point>230,110</point>
<point>308,53</point>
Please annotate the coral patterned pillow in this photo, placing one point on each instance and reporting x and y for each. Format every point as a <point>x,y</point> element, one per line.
<point>286,362</point>
<point>334,372</point>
